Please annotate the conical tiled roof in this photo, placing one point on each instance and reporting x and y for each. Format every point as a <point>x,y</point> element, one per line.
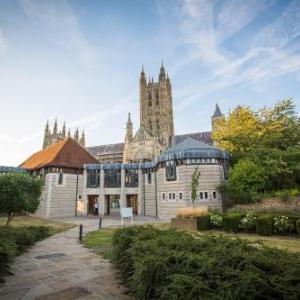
<point>191,148</point>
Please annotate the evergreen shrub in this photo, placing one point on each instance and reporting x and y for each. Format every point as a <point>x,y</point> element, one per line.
<point>298,226</point>
<point>167,264</point>
<point>203,222</point>
<point>231,222</point>
<point>264,225</point>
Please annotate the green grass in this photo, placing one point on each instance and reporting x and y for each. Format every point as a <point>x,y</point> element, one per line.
<point>100,241</point>
<point>289,243</point>
<point>21,221</point>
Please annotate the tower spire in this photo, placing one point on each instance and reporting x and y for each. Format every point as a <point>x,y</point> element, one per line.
<point>162,72</point>
<point>54,133</point>
<point>63,132</point>
<point>82,139</point>
<point>46,136</point>
<point>76,135</point>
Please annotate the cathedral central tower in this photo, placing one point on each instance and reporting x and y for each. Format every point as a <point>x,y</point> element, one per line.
<point>156,107</point>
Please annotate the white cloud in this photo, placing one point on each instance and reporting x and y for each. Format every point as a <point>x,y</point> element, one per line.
<point>60,18</point>
<point>269,54</point>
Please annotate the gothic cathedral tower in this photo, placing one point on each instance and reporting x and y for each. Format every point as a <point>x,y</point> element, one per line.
<point>156,108</point>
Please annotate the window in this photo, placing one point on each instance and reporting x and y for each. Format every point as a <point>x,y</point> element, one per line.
<point>170,170</point>
<point>170,196</point>
<point>206,195</point>
<point>174,196</point>
<point>112,178</point>
<point>150,127</point>
<point>180,196</point>
<point>157,124</point>
<point>163,196</point>
<point>156,97</point>
<point>93,178</point>
<point>60,178</point>
<point>214,195</point>
<point>201,195</point>
<point>149,178</point>
<point>150,103</point>
<point>131,178</point>
<point>149,96</point>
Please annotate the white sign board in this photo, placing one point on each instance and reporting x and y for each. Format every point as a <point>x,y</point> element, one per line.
<point>126,212</point>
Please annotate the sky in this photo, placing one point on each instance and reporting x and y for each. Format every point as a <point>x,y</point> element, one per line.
<point>79,61</point>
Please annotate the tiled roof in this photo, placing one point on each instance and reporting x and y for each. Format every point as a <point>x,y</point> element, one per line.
<point>204,137</point>
<point>106,149</point>
<point>66,153</point>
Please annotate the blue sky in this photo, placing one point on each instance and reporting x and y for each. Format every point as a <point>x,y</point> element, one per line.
<point>80,61</point>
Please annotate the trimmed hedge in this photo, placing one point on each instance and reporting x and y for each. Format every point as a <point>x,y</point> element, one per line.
<point>298,226</point>
<point>264,225</point>
<point>15,240</point>
<point>231,222</point>
<point>203,222</point>
<point>166,264</point>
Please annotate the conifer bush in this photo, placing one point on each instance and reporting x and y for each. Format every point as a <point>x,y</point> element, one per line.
<point>203,222</point>
<point>264,225</point>
<point>166,264</point>
<point>231,222</point>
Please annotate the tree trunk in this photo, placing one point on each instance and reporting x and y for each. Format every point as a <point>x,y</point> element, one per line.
<point>9,218</point>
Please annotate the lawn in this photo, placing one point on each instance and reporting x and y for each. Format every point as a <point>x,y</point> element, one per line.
<point>21,221</point>
<point>100,240</point>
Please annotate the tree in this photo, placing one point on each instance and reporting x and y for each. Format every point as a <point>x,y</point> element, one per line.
<point>19,193</point>
<point>269,138</point>
<point>194,185</point>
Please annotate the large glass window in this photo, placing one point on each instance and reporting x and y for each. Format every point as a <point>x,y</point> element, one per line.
<point>170,170</point>
<point>93,178</point>
<point>131,178</point>
<point>112,178</point>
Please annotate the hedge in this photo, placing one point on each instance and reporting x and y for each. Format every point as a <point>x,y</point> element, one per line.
<point>264,225</point>
<point>14,240</point>
<point>231,222</point>
<point>203,222</point>
<point>298,226</point>
<point>167,264</point>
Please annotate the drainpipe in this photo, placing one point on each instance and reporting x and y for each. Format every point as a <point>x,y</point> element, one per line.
<point>156,204</point>
<point>76,200</point>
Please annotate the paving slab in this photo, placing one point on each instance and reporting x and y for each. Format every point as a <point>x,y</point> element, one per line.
<point>60,268</point>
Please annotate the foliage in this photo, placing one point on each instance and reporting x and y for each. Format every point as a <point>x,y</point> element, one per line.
<point>14,241</point>
<point>19,193</point>
<point>248,222</point>
<point>282,224</point>
<point>191,212</point>
<point>216,220</point>
<point>265,150</point>
<point>231,222</point>
<point>165,264</point>
<point>194,185</point>
<point>298,226</point>
<point>203,222</point>
<point>264,225</point>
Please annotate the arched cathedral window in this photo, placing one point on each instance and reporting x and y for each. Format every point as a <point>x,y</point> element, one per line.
<point>150,127</point>
<point>156,97</point>
<point>157,124</point>
<point>150,103</point>
<point>149,96</point>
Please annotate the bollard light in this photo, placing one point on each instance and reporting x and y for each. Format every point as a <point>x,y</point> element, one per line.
<point>80,232</point>
<point>100,223</point>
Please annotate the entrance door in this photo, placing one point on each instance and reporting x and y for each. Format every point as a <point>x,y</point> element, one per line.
<point>132,201</point>
<point>112,205</point>
<point>93,208</point>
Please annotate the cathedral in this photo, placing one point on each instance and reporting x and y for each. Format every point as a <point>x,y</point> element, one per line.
<point>156,132</point>
<point>50,138</point>
<point>151,171</point>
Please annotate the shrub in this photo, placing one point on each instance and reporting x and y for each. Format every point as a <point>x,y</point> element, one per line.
<point>283,224</point>
<point>231,222</point>
<point>203,222</point>
<point>298,226</point>
<point>216,220</point>
<point>165,264</point>
<point>14,240</point>
<point>191,212</point>
<point>248,222</point>
<point>264,225</point>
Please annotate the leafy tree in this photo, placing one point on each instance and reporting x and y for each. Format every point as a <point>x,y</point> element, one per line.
<point>19,193</point>
<point>270,139</point>
<point>194,185</point>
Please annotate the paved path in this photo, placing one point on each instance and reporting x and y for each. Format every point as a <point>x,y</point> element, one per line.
<point>59,268</point>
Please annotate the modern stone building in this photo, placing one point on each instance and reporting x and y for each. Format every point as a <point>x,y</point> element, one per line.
<point>150,172</point>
